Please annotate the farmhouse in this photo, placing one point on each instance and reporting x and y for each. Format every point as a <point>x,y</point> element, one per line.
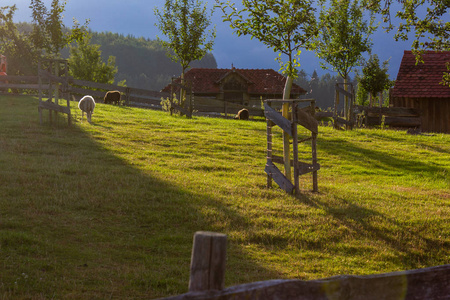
<point>418,86</point>
<point>241,86</point>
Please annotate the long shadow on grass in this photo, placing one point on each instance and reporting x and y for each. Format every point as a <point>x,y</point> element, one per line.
<point>411,248</point>
<point>415,248</point>
<point>84,222</point>
<point>380,162</point>
<point>399,139</point>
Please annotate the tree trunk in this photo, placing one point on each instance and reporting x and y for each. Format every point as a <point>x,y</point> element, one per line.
<point>285,112</point>
<point>346,106</point>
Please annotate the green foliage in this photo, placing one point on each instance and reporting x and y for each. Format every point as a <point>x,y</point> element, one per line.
<point>185,23</point>
<point>375,78</point>
<point>426,19</point>
<point>286,26</point>
<point>167,104</point>
<point>344,35</point>
<point>86,63</point>
<point>49,33</point>
<point>446,76</point>
<point>142,62</point>
<point>44,39</point>
<point>362,96</point>
<point>16,45</point>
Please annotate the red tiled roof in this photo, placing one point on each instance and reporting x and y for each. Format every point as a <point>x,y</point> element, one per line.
<point>260,81</point>
<point>422,80</point>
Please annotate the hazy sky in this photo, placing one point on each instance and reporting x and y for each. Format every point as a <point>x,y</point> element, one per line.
<point>136,17</point>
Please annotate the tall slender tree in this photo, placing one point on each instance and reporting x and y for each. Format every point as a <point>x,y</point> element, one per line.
<point>344,37</point>
<point>286,26</point>
<point>49,32</point>
<point>185,24</point>
<point>375,78</point>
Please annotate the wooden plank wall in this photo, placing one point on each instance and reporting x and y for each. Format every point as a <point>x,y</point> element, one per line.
<point>435,113</point>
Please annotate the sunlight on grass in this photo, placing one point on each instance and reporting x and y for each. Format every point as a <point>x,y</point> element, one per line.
<point>109,209</point>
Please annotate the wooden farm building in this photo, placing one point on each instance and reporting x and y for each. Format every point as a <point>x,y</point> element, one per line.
<point>418,86</point>
<point>241,86</point>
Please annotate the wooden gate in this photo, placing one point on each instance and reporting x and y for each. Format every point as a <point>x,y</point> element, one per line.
<point>304,117</point>
<point>56,72</point>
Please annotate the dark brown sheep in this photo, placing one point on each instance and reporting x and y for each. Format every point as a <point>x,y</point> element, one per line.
<point>112,97</point>
<point>243,114</point>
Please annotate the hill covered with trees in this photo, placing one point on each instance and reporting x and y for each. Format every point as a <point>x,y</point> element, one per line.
<point>142,62</point>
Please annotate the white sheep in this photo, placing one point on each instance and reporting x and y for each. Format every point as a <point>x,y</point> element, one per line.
<point>87,105</point>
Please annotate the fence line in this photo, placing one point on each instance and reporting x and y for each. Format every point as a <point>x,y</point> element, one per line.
<point>133,96</point>
<point>207,281</point>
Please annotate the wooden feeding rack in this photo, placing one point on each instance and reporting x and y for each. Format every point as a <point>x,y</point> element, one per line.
<point>297,116</point>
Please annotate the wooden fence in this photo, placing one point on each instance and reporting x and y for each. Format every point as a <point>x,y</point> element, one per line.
<point>132,96</point>
<point>216,107</point>
<point>201,106</point>
<point>208,272</point>
<point>389,116</point>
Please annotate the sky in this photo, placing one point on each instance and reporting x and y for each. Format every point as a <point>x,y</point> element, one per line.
<point>136,17</point>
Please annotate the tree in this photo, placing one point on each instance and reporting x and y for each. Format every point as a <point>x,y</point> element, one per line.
<point>49,33</point>
<point>16,46</point>
<point>86,63</point>
<point>375,78</point>
<point>424,18</point>
<point>343,38</point>
<point>185,23</point>
<point>286,26</point>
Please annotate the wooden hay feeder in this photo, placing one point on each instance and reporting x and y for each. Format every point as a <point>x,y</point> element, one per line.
<point>301,116</point>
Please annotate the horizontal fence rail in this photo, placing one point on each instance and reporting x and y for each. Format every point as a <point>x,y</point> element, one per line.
<point>202,106</point>
<point>207,281</point>
<point>133,96</point>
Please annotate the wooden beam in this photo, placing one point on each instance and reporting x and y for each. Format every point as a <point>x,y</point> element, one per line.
<point>279,178</point>
<point>22,86</point>
<point>344,92</point>
<point>307,120</point>
<point>208,261</point>
<point>52,106</point>
<point>430,283</point>
<point>278,119</point>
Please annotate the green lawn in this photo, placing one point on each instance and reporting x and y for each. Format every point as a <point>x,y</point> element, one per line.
<point>109,209</point>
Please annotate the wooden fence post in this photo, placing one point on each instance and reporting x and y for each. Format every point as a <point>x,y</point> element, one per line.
<point>208,261</point>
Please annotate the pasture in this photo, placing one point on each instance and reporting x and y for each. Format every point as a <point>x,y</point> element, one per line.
<point>109,209</point>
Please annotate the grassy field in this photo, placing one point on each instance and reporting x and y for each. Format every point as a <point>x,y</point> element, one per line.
<point>109,209</point>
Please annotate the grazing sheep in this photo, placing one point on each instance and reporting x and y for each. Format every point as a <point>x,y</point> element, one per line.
<point>87,105</point>
<point>243,114</point>
<point>112,97</point>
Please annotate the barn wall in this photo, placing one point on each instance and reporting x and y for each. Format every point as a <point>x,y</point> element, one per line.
<point>435,112</point>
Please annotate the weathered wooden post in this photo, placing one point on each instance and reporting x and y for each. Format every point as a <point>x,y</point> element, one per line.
<point>208,261</point>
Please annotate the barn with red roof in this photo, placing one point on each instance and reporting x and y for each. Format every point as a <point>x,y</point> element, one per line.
<point>419,86</point>
<point>238,85</point>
